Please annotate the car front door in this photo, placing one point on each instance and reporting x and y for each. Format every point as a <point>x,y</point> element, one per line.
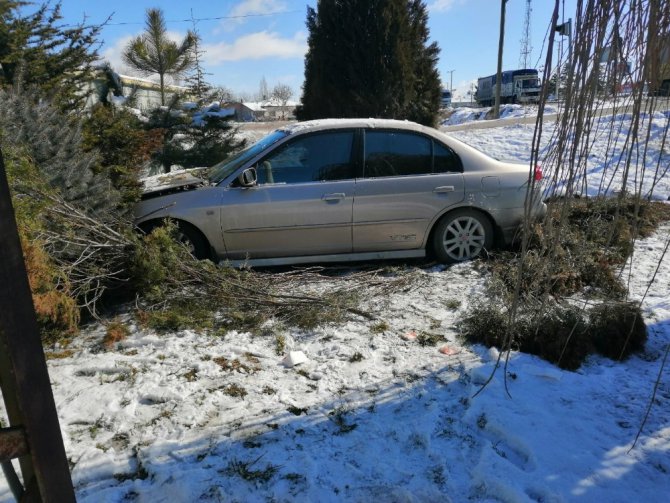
<point>408,179</point>
<point>301,205</point>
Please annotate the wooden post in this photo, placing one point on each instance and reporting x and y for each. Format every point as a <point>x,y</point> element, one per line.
<point>501,43</point>
<point>24,378</point>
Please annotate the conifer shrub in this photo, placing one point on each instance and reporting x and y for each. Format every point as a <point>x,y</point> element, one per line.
<point>55,307</point>
<point>194,138</point>
<point>123,147</point>
<point>54,142</point>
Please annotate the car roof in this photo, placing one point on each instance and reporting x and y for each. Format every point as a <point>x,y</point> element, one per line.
<point>322,124</point>
<point>404,125</point>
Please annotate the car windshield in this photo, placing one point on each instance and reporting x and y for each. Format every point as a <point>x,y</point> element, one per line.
<point>229,165</point>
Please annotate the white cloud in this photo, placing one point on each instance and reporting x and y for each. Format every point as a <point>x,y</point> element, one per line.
<point>251,7</point>
<point>258,45</point>
<point>112,54</point>
<point>444,5</point>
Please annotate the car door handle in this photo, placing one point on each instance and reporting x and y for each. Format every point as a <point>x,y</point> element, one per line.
<point>335,196</point>
<point>443,189</point>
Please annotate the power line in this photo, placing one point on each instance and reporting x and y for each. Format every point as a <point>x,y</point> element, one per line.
<point>191,20</point>
<point>218,18</point>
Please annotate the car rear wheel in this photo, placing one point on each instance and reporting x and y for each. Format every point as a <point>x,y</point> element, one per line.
<point>462,235</point>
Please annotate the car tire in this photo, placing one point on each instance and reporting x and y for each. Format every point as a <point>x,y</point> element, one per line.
<point>462,235</point>
<point>193,239</point>
<point>187,234</point>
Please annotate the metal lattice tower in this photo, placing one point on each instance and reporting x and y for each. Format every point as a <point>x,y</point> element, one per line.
<point>526,47</point>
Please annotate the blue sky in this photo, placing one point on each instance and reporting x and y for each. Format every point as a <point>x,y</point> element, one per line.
<point>252,39</point>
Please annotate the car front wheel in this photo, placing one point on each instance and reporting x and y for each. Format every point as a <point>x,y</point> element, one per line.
<point>462,235</point>
<point>193,240</point>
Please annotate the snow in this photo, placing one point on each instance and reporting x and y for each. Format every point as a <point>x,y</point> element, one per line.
<point>604,165</point>
<point>371,414</point>
<point>462,115</point>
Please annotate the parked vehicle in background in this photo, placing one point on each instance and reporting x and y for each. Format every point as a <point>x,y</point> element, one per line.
<point>347,189</point>
<point>445,101</point>
<point>516,86</point>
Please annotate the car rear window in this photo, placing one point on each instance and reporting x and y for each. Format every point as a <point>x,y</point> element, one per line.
<point>393,153</point>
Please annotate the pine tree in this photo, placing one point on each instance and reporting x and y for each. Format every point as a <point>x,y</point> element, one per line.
<point>154,53</point>
<point>370,58</point>
<point>36,49</point>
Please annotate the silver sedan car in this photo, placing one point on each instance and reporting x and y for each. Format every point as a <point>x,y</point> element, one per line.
<point>347,189</point>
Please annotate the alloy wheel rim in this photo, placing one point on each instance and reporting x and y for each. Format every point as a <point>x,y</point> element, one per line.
<point>464,238</point>
<point>183,239</point>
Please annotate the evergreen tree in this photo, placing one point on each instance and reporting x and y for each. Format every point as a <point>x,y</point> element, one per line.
<point>36,49</point>
<point>194,138</point>
<point>198,86</point>
<point>54,142</point>
<point>263,91</point>
<point>427,87</point>
<point>154,53</point>
<point>370,58</point>
<point>553,81</point>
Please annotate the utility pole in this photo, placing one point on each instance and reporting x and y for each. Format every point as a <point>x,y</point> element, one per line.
<point>451,82</point>
<point>496,109</point>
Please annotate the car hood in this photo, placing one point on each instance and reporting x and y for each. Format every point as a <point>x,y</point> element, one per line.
<point>167,183</point>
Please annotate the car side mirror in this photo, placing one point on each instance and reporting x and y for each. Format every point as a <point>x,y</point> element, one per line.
<point>248,178</point>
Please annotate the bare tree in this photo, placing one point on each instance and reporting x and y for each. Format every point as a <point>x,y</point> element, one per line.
<point>282,93</point>
<point>222,94</point>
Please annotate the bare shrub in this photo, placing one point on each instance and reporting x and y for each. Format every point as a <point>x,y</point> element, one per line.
<point>618,329</point>
<point>116,332</point>
<point>557,333</point>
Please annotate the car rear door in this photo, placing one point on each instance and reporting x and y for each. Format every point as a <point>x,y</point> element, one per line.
<point>302,204</point>
<point>408,179</point>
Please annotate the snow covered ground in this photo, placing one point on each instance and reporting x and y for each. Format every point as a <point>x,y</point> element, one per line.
<point>603,168</point>
<point>461,115</point>
<point>372,415</point>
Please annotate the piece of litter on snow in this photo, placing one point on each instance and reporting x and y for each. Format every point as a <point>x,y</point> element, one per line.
<point>294,358</point>
<point>448,350</point>
<point>409,336</point>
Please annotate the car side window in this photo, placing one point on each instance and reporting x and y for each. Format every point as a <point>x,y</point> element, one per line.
<point>393,153</point>
<point>313,158</point>
<point>445,160</point>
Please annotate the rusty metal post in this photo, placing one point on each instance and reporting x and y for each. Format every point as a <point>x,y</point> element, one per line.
<point>24,378</point>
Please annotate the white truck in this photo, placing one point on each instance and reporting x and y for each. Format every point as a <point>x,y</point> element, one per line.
<point>516,86</point>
